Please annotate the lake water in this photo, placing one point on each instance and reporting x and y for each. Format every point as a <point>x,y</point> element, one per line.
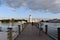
<point>4,26</point>
<point>52,29</point>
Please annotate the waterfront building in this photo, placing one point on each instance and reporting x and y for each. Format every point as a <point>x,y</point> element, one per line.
<point>30,18</point>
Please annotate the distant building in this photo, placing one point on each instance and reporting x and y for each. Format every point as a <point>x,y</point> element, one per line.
<point>30,18</point>
<point>33,19</point>
<point>36,20</point>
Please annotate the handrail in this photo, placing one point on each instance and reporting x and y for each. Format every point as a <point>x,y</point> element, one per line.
<point>53,36</point>
<point>52,27</point>
<point>13,32</point>
<point>51,33</point>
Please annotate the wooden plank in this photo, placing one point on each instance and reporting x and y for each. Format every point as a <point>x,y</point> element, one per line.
<point>32,33</point>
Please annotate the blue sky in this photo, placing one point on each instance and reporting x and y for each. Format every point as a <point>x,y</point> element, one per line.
<point>22,12</point>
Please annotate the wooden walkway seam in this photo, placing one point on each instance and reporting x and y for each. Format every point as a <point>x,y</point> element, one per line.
<point>32,33</point>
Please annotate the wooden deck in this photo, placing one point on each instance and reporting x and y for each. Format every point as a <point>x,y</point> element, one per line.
<point>32,33</point>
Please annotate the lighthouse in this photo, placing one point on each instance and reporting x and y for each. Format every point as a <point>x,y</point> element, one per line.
<point>30,18</point>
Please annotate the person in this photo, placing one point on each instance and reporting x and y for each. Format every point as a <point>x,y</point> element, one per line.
<point>32,23</point>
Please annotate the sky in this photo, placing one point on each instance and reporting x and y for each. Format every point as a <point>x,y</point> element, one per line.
<point>44,9</point>
<point>22,12</point>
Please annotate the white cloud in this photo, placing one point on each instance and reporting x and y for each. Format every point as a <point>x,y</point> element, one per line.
<point>13,9</point>
<point>50,5</point>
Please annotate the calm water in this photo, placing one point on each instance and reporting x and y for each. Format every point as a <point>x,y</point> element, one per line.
<point>52,29</point>
<point>4,26</point>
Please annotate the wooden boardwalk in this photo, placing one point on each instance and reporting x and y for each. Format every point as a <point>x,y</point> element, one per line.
<point>32,33</point>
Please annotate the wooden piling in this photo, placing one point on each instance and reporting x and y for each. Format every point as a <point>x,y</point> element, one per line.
<point>9,33</point>
<point>0,29</point>
<point>58,33</point>
<point>46,28</point>
<point>19,31</point>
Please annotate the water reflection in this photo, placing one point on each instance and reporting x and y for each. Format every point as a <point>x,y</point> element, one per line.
<point>52,28</point>
<point>6,25</point>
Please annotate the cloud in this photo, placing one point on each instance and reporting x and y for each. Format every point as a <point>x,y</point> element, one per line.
<point>13,9</point>
<point>50,5</point>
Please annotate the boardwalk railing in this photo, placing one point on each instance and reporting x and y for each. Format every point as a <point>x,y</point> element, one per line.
<point>17,30</point>
<point>52,31</point>
<point>10,33</point>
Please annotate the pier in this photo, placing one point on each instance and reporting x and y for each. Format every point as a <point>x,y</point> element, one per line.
<point>29,20</point>
<point>32,33</point>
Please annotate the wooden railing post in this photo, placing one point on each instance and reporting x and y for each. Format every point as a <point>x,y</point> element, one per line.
<point>0,29</point>
<point>19,31</point>
<point>58,33</point>
<point>46,28</point>
<point>38,25</point>
<point>23,27</point>
<point>9,33</point>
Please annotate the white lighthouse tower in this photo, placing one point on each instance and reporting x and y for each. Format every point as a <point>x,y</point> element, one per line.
<point>30,18</point>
